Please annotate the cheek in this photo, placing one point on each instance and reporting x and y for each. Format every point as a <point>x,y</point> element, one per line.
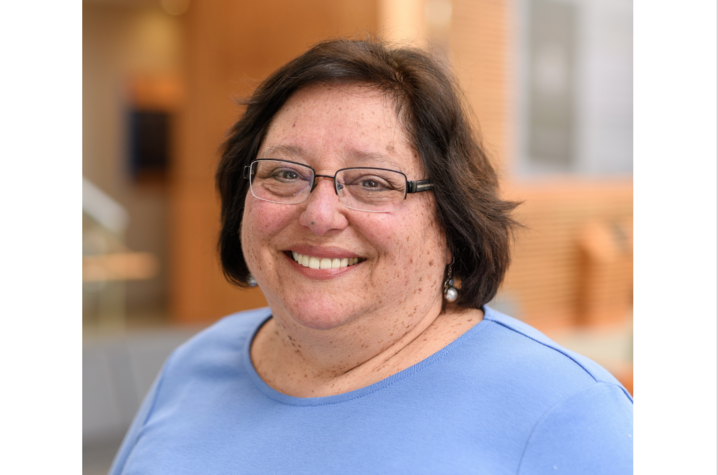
<point>429,248</point>
<point>413,246</point>
<point>249,238</point>
<point>260,222</point>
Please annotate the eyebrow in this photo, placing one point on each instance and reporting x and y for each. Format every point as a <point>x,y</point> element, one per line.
<point>291,150</point>
<point>294,151</point>
<point>360,156</point>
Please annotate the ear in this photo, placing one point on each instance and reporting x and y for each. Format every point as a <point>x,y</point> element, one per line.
<point>449,257</point>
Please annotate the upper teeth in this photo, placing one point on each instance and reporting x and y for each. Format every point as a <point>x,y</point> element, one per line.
<point>324,262</point>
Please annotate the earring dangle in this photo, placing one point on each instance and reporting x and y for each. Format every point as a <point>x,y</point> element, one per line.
<point>251,280</point>
<point>450,292</point>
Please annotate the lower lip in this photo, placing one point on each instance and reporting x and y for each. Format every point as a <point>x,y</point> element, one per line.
<point>320,274</point>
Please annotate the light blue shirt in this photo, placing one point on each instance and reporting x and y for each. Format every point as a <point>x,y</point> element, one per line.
<point>501,399</point>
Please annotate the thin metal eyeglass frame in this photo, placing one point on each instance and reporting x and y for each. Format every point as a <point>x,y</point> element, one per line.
<point>416,186</point>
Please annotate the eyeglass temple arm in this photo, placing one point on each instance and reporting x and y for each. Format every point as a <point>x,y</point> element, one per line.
<point>418,186</point>
<point>248,172</point>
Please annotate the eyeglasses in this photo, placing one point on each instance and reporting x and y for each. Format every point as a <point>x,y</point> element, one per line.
<point>375,190</point>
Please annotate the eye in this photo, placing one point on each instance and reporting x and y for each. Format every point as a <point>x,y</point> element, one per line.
<point>374,183</point>
<point>284,174</point>
<point>369,183</point>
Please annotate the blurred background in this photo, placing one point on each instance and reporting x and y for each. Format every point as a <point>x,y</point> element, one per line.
<point>550,84</point>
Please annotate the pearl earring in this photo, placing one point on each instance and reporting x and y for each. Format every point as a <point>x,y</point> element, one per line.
<point>450,292</point>
<point>251,280</point>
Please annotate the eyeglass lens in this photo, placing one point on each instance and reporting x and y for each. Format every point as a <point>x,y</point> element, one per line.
<point>363,189</point>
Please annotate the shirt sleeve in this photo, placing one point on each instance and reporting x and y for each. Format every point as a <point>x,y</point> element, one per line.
<point>135,429</point>
<point>590,433</point>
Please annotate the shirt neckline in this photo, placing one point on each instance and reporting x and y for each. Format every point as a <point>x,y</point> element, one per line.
<point>357,393</point>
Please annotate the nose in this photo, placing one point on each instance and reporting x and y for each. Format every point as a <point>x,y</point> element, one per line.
<point>323,213</point>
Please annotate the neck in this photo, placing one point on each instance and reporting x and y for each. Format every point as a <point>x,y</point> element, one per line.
<point>307,362</point>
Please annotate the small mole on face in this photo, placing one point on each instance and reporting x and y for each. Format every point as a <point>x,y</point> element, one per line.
<point>312,222</point>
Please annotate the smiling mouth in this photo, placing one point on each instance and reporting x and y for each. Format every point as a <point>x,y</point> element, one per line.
<point>324,262</point>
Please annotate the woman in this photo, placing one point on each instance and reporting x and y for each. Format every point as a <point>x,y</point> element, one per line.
<point>355,195</point>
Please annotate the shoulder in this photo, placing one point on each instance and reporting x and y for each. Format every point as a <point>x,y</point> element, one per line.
<point>211,356</point>
<point>197,371</point>
<point>581,418</point>
<point>529,350</point>
<point>589,432</point>
<point>225,338</point>
<point>228,330</point>
<point>207,362</point>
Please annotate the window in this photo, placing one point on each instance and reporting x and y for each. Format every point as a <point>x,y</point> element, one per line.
<point>575,77</point>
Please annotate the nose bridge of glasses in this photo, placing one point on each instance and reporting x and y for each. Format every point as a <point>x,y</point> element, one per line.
<point>332,178</point>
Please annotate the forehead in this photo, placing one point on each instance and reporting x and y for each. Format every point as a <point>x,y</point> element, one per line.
<point>341,126</point>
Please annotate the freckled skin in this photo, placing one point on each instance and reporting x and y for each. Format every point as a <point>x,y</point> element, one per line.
<point>342,323</point>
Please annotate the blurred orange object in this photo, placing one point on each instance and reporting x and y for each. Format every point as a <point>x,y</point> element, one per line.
<point>119,266</point>
<point>156,91</point>
<point>606,272</point>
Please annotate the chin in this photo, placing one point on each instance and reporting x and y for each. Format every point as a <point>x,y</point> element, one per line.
<point>319,315</point>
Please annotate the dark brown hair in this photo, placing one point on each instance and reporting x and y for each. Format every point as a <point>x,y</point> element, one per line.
<point>476,222</point>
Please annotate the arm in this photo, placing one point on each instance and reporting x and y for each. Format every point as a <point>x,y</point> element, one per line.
<point>590,433</point>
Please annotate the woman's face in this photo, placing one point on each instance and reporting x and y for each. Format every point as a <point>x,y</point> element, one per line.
<point>402,254</point>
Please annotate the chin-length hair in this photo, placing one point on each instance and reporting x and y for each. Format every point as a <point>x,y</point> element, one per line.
<point>476,222</point>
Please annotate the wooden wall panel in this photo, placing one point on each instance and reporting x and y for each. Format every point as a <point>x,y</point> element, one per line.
<point>549,261</point>
<point>230,46</point>
<point>480,47</point>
